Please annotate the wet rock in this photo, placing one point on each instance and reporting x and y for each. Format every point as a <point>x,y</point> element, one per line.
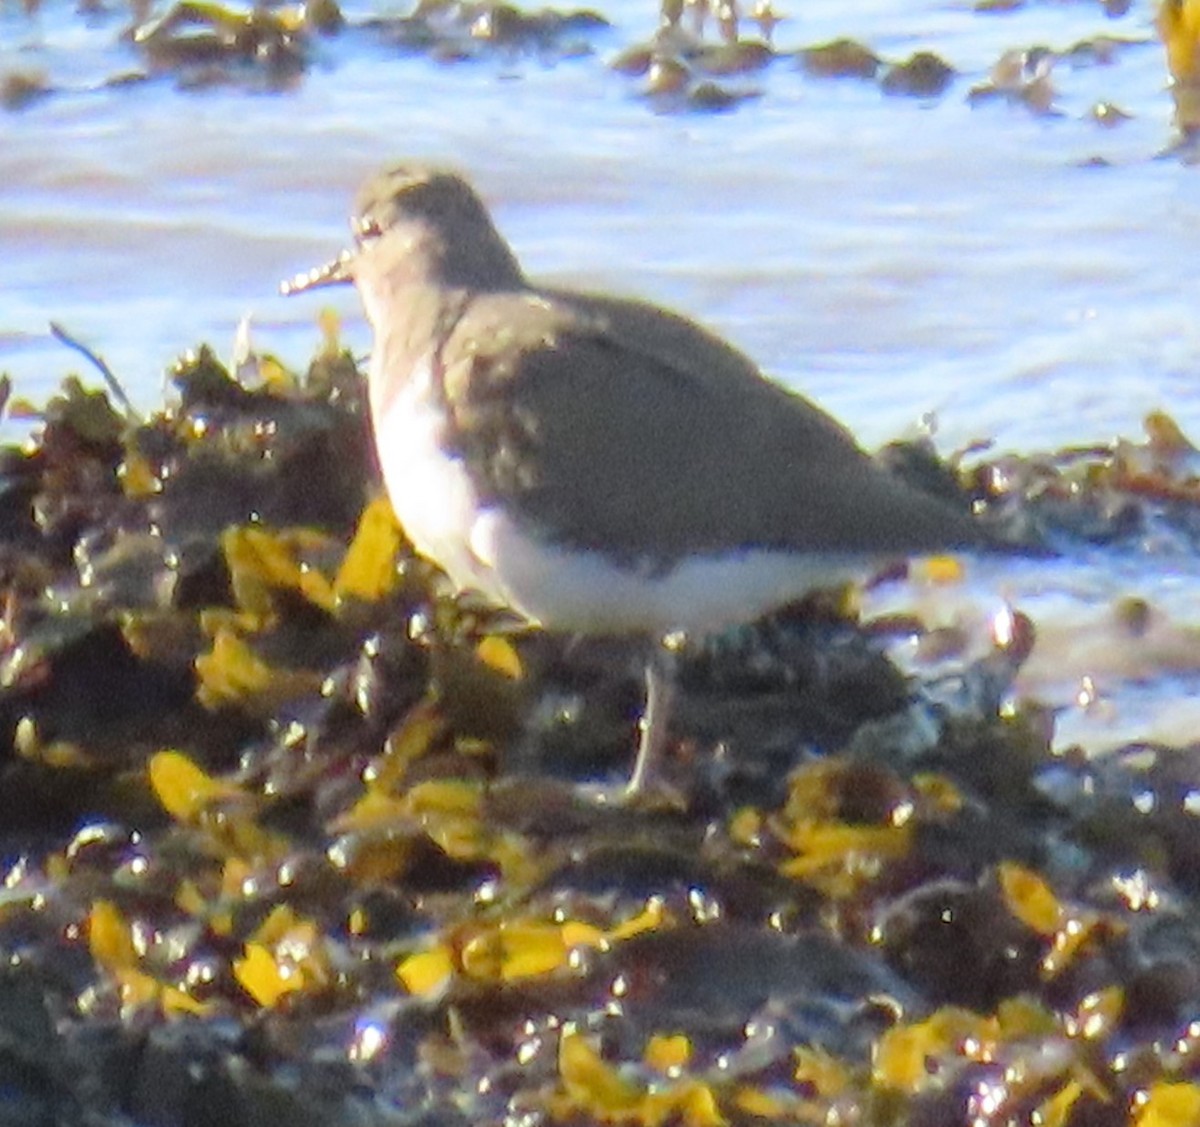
<point>459,30</point>
<point>923,75</point>
<point>206,44</point>
<point>741,57</point>
<point>1109,114</point>
<point>841,58</point>
<point>1020,76</point>
<point>20,89</point>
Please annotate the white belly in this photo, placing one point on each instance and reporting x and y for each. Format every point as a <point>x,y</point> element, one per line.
<point>486,549</point>
<point>430,491</point>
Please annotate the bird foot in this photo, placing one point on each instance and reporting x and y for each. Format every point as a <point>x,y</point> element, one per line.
<point>649,796</point>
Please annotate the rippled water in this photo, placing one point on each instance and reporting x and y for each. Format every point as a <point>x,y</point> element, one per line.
<point>889,256</point>
<point>1030,278</point>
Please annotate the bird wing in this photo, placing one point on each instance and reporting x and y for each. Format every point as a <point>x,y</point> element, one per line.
<point>614,425</point>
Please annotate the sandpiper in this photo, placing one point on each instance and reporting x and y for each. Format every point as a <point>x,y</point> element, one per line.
<point>597,464</point>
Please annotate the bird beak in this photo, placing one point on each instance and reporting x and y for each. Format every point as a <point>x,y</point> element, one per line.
<point>333,273</point>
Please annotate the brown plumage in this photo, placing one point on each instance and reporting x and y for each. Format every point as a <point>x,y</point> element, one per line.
<point>614,425</point>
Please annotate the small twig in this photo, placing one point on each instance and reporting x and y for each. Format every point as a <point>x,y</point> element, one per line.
<point>114,385</point>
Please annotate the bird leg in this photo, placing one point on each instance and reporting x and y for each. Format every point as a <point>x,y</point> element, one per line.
<point>661,674</point>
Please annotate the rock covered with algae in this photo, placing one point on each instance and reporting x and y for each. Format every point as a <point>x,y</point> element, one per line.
<point>293,834</point>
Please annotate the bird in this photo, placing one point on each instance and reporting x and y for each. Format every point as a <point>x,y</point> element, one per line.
<point>598,464</point>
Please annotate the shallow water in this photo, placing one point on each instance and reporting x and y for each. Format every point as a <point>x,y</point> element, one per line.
<point>1028,278</point>
<point>889,256</point>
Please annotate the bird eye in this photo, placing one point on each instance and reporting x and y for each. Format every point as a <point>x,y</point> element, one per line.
<point>368,228</point>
